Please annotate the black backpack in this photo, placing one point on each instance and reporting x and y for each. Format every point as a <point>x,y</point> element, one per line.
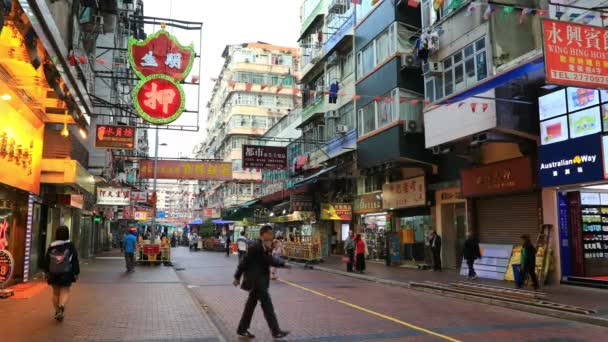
<point>60,262</point>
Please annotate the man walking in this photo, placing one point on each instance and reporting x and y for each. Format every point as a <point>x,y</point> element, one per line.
<point>255,267</point>
<point>242,245</point>
<point>436,249</point>
<point>129,243</point>
<point>349,251</point>
<point>471,252</point>
<point>228,243</point>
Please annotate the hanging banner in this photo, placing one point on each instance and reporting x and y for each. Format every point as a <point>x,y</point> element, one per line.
<point>264,157</point>
<point>575,54</point>
<point>336,211</point>
<point>404,194</point>
<point>161,63</point>
<point>115,137</point>
<point>113,196</point>
<point>195,170</point>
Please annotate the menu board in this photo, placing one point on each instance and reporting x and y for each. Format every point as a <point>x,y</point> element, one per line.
<point>552,105</point>
<point>581,98</point>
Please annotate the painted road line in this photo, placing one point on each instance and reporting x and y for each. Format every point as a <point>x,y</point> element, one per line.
<point>374,313</point>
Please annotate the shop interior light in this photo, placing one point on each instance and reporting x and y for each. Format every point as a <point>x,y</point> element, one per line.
<point>6,97</point>
<point>83,133</point>
<point>64,132</point>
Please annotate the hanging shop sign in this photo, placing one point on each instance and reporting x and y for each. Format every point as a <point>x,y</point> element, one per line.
<point>264,157</point>
<point>212,213</point>
<point>115,137</point>
<point>20,149</point>
<point>404,194</point>
<point>140,216</point>
<point>571,162</point>
<point>498,178</point>
<point>297,216</point>
<point>174,169</point>
<point>139,197</point>
<point>161,63</point>
<point>368,203</point>
<point>300,203</point>
<point>336,211</point>
<point>113,196</point>
<point>74,201</point>
<point>575,54</point>
<point>128,213</point>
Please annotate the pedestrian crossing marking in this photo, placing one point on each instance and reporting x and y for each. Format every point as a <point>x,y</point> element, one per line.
<point>374,313</point>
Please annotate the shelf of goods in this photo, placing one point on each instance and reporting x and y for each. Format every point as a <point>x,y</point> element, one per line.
<point>595,232</point>
<point>302,251</point>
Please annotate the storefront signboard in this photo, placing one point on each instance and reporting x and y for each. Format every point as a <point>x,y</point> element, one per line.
<point>552,105</point>
<point>21,139</point>
<point>140,216</point>
<point>368,203</point>
<point>74,201</point>
<point>336,211</point>
<point>404,194</point>
<point>300,203</point>
<point>498,178</point>
<point>585,122</point>
<point>115,137</point>
<point>264,157</point>
<point>564,236</point>
<point>177,169</point>
<point>113,196</point>
<point>575,54</point>
<point>139,197</point>
<point>571,162</point>
<point>128,212</point>
<point>304,216</point>
<point>590,198</point>
<point>6,267</point>
<point>212,213</point>
<point>161,63</point>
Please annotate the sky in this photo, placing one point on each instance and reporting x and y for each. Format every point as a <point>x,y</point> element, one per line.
<point>224,23</point>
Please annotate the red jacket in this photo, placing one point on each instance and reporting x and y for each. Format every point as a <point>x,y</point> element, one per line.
<point>360,246</point>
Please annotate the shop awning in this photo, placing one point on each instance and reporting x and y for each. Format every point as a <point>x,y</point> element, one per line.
<point>498,80</point>
<point>249,203</point>
<point>314,178</point>
<point>197,221</point>
<point>221,221</point>
<point>67,171</point>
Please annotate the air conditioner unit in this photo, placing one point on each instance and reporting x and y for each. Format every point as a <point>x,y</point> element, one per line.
<point>332,114</point>
<point>410,126</point>
<point>432,68</point>
<point>341,129</point>
<point>408,60</point>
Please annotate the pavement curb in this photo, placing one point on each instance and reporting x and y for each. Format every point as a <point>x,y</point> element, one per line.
<point>588,319</point>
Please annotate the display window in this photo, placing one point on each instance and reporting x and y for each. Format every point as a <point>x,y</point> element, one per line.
<point>374,228</point>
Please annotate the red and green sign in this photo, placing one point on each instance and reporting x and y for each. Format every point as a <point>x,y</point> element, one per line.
<point>161,63</point>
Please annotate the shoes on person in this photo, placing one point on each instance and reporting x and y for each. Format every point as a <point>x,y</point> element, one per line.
<point>59,313</point>
<point>473,277</point>
<point>245,334</point>
<point>280,334</point>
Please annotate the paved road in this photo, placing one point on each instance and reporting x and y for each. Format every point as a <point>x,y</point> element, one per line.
<point>319,307</point>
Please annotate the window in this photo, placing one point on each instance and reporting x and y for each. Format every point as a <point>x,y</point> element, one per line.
<point>277,59</point>
<point>262,59</point>
<point>386,111</point>
<point>463,69</point>
<point>429,15</point>
<point>347,115</point>
<point>237,165</point>
<point>348,65</point>
<point>367,118</point>
<point>378,51</point>
<point>374,183</point>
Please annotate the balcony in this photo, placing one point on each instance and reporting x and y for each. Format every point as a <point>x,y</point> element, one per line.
<point>342,28</point>
<point>310,10</point>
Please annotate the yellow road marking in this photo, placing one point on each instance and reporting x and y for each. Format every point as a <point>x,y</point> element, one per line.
<point>371,312</point>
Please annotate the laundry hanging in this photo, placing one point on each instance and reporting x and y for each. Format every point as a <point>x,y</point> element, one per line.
<point>334,88</point>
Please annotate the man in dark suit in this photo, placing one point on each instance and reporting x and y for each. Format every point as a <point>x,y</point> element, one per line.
<point>255,267</point>
<point>436,249</point>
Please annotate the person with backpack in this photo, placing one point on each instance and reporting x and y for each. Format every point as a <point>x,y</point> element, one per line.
<point>61,268</point>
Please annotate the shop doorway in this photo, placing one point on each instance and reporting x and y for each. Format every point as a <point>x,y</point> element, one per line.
<point>37,249</point>
<point>374,228</point>
<point>453,231</point>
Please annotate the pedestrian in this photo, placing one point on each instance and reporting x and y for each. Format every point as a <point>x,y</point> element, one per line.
<point>242,243</point>
<point>334,242</point>
<point>277,253</point>
<point>360,249</point>
<point>122,245</point>
<point>61,269</point>
<point>228,242</point>
<point>130,242</point>
<point>471,252</point>
<point>255,268</point>
<point>528,263</point>
<point>436,250</point>
<point>349,251</point>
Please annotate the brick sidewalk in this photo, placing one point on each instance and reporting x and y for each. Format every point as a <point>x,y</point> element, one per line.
<point>577,296</point>
<point>108,305</point>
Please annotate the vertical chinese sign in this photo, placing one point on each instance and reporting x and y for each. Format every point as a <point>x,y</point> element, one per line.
<point>161,63</point>
<point>575,54</point>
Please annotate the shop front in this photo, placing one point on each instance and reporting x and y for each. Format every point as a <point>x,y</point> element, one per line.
<point>371,220</point>
<point>303,240</point>
<point>339,217</point>
<point>409,223</point>
<point>574,176</point>
<point>452,224</point>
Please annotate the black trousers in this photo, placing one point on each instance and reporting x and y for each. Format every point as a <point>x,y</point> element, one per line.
<point>227,249</point>
<point>351,261</point>
<point>470,264</point>
<point>360,262</point>
<point>437,259</point>
<point>523,276</point>
<point>264,297</point>
<point>130,261</point>
<point>242,255</point>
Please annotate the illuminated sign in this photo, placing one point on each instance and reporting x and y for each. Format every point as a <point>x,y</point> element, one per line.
<point>585,122</point>
<point>113,196</point>
<point>174,169</point>
<point>336,211</point>
<point>552,105</point>
<point>161,63</point>
<point>404,194</point>
<point>115,137</point>
<point>140,216</point>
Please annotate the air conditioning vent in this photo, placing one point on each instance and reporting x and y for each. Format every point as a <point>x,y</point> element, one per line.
<point>341,129</point>
<point>409,61</point>
<point>332,114</point>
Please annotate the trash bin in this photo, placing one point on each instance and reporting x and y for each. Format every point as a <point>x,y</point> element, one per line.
<point>516,275</point>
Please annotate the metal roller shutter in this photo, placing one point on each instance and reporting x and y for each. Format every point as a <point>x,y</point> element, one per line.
<point>504,219</point>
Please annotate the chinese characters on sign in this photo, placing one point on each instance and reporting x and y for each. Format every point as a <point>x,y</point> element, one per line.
<point>336,211</point>
<point>497,178</point>
<point>300,203</point>
<point>368,203</point>
<point>404,194</point>
<point>161,63</point>
<point>113,196</point>
<point>115,137</point>
<point>169,169</point>
<point>264,157</point>
<point>576,54</point>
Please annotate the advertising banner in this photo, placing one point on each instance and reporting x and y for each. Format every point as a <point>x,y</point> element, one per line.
<point>336,211</point>
<point>575,54</point>
<point>115,137</point>
<point>264,157</point>
<point>503,177</point>
<point>113,196</point>
<point>195,170</point>
<point>404,194</point>
<point>571,162</point>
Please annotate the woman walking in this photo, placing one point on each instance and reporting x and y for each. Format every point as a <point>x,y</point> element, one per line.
<point>360,253</point>
<point>528,263</point>
<point>62,269</point>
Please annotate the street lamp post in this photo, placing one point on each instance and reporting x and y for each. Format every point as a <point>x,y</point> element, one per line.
<point>156,144</point>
